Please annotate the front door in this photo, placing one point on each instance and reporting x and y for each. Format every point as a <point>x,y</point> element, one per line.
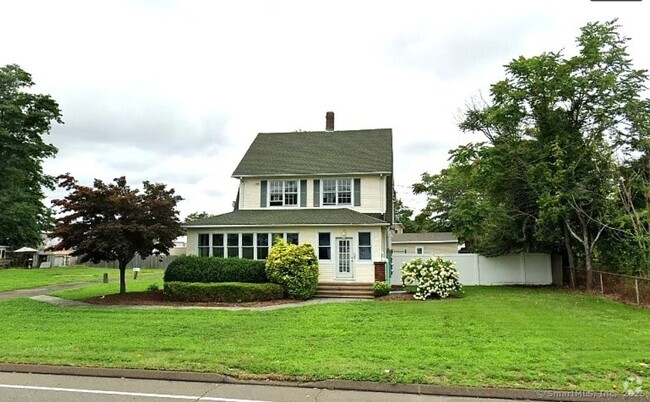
<point>344,258</point>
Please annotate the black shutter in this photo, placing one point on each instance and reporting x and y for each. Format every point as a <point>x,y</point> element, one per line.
<point>303,193</point>
<point>317,193</point>
<point>357,192</point>
<point>263,194</point>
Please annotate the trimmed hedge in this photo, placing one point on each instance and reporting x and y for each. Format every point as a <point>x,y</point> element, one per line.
<point>228,292</point>
<point>192,268</point>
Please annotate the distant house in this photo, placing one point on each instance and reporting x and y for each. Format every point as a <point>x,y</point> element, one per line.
<point>331,189</point>
<point>4,257</point>
<point>425,243</point>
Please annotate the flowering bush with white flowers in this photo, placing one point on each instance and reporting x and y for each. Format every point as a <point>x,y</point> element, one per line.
<point>433,277</point>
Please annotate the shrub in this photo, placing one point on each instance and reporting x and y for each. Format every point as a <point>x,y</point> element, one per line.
<point>215,269</point>
<point>228,292</point>
<point>153,287</point>
<point>294,267</point>
<point>380,288</point>
<point>433,277</point>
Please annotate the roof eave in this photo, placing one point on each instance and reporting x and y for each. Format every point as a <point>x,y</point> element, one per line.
<point>283,225</point>
<point>263,175</point>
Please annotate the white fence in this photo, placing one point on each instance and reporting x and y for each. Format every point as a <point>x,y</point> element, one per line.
<point>474,269</point>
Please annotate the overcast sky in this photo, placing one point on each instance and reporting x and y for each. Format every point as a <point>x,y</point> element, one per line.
<point>175,91</point>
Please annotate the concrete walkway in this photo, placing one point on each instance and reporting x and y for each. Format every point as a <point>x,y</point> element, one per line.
<point>13,294</point>
<point>57,301</point>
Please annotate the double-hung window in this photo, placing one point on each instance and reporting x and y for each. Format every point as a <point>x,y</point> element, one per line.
<point>365,250</point>
<point>337,192</point>
<point>233,244</point>
<point>292,238</point>
<point>324,246</point>
<point>217,245</point>
<point>283,193</point>
<point>262,246</point>
<point>204,244</point>
<point>247,250</point>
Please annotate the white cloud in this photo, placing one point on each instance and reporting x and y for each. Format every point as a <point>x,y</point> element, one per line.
<point>175,91</point>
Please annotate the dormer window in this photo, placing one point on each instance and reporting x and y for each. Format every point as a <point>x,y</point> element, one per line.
<point>337,192</point>
<point>283,193</point>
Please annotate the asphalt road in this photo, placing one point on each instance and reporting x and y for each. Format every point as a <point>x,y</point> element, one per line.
<point>58,388</point>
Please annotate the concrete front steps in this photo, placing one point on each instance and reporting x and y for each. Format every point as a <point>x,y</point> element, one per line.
<point>345,290</point>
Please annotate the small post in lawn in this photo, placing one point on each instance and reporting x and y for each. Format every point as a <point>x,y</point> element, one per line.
<point>636,287</point>
<point>602,289</point>
<point>105,277</point>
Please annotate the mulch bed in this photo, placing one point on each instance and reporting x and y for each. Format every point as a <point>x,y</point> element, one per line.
<point>396,297</point>
<point>157,298</point>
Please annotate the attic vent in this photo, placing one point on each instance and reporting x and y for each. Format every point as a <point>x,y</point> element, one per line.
<point>329,121</point>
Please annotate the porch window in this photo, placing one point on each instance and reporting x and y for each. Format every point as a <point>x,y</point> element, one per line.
<point>419,250</point>
<point>247,248</point>
<point>292,238</point>
<point>262,246</point>
<point>233,244</point>
<point>204,244</point>
<point>365,251</point>
<point>217,245</point>
<point>277,236</point>
<point>324,246</point>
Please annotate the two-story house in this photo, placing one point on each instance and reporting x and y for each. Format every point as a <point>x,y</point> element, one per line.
<point>332,189</point>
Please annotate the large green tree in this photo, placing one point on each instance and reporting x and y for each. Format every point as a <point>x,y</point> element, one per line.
<point>556,130</point>
<point>112,222</point>
<point>25,117</point>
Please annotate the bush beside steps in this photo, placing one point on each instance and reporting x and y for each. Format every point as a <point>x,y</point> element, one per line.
<point>225,292</point>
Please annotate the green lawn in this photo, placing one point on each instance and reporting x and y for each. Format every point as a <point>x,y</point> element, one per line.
<point>507,337</point>
<point>20,278</point>
<point>102,289</point>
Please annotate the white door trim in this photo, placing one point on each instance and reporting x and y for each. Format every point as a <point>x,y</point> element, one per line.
<point>344,258</point>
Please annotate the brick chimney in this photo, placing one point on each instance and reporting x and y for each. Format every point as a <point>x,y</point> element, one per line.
<point>329,121</point>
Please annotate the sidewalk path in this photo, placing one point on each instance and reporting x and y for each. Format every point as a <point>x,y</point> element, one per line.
<point>57,301</point>
<point>13,294</point>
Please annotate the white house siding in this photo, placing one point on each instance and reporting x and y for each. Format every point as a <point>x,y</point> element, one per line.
<point>363,269</point>
<point>428,248</point>
<point>373,192</point>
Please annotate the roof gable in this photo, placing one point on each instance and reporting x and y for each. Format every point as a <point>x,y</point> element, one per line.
<point>318,152</point>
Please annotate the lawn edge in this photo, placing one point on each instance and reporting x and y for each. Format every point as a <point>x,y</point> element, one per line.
<point>344,385</point>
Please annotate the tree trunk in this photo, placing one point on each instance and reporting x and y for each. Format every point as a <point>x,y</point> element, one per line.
<point>589,273</point>
<point>123,277</point>
<point>570,256</point>
<point>588,265</point>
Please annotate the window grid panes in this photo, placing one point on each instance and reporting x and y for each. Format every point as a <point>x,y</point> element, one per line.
<point>365,251</point>
<point>337,192</point>
<point>324,246</point>
<point>344,192</point>
<point>329,192</point>
<point>283,193</point>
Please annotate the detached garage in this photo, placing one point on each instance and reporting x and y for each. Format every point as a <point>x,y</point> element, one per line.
<point>425,243</point>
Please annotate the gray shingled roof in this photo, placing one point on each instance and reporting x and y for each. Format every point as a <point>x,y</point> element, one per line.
<point>424,237</point>
<point>318,152</point>
<point>271,217</point>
